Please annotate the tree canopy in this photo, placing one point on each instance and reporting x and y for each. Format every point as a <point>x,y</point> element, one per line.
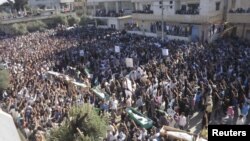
<point>85,125</point>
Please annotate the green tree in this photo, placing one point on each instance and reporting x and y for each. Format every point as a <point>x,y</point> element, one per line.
<point>4,80</point>
<point>36,26</point>
<point>73,20</point>
<point>85,125</point>
<point>19,4</point>
<point>84,20</point>
<point>18,29</point>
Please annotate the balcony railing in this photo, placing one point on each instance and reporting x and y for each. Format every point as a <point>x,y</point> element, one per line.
<point>179,18</point>
<point>238,17</point>
<point>143,11</point>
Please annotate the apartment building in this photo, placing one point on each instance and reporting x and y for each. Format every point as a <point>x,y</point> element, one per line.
<point>182,19</point>
<point>57,5</point>
<point>238,14</point>
<point>114,13</point>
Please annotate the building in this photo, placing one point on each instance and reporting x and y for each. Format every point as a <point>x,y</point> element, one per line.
<point>57,5</point>
<point>239,15</point>
<point>113,13</point>
<point>8,129</point>
<point>182,19</point>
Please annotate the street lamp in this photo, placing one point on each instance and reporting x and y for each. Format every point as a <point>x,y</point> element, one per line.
<point>162,29</point>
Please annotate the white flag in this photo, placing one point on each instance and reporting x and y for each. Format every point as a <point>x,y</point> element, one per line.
<point>129,62</point>
<point>117,49</point>
<point>81,53</point>
<point>165,52</point>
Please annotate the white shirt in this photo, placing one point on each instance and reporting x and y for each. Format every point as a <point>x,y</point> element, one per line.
<point>182,121</point>
<point>113,137</point>
<point>240,121</point>
<point>114,104</point>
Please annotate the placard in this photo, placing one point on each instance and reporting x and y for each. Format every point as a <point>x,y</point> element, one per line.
<point>117,49</point>
<point>81,53</point>
<point>129,84</point>
<point>165,52</point>
<point>171,112</point>
<point>129,62</point>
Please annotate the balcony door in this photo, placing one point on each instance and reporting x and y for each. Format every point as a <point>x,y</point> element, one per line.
<point>195,33</point>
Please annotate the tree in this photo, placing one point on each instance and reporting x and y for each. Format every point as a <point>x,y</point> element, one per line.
<point>36,26</point>
<point>18,29</point>
<point>4,80</point>
<point>85,125</point>
<point>73,20</point>
<point>19,4</point>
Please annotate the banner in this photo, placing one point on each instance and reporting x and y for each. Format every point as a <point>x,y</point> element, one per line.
<point>81,53</point>
<point>165,52</point>
<point>117,49</point>
<point>129,62</point>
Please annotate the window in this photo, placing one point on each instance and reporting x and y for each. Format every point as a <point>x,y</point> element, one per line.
<point>171,7</point>
<point>171,2</point>
<point>217,6</point>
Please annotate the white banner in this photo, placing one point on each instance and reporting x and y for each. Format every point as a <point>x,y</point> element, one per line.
<point>117,49</point>
<point>171,112</point>
<point>165,52</point>
<point>129,62</point>
<point>81,53</point>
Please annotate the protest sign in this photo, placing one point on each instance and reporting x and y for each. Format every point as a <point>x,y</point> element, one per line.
<point>81,53</point>
<point>117,49</point>
<point>129,62</point>
<point>165,52</point>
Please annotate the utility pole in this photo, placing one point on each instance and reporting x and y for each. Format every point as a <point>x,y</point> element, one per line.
<point>162,28</point>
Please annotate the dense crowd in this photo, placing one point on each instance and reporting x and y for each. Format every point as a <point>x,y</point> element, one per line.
<point>240,10</point>
<point>172,29</point>
<point>109,13</point>
<point>211,79</point>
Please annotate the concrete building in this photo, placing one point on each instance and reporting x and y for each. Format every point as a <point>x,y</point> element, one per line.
<point>239,15</point>
<point>57,5</point>
<point>114,13</point>
<point>183,19</point>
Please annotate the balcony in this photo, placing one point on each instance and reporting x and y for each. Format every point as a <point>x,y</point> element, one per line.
<point>238,17</point>
<point>144,0</point>
<point>199,19</point>
<point>66,1</point>
<point>96,1</point>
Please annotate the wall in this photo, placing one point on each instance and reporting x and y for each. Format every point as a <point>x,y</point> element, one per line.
<point>47,3</point>
<point>207,7</point>
<point>167,8</point>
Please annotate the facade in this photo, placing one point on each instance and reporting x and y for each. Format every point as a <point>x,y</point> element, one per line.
<point>239,15</point>
<point>182,19</point>
<point>57,5</point>
<point>113,13</point>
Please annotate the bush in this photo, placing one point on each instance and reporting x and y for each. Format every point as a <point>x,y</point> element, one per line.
<point>18,29</point>
<point>36,26</point>
<point>84,20</point>
<point>87,120</point>
<point>4,79</point>
<point>55,21</point>
<point>73,20</point>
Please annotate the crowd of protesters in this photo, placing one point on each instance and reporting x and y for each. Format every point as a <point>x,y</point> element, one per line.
<point>211,79</point>
<point>240,10</point>
<point>109,13</point>
<point>172,29</point>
